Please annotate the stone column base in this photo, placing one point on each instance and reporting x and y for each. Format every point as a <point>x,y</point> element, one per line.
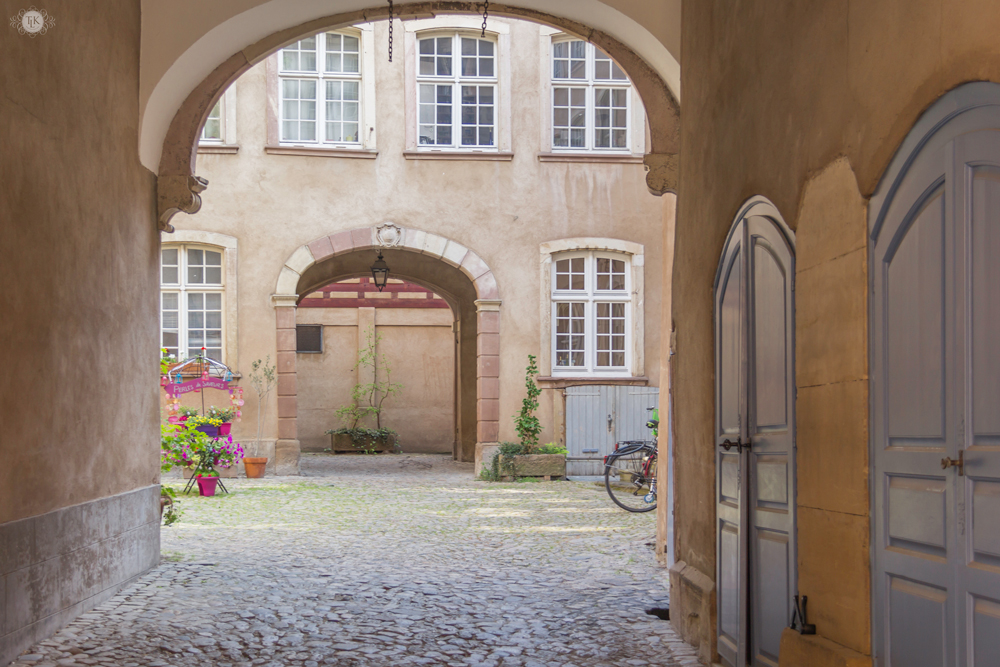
<point>484,454</point>
<point>815,651</point>
<point>692,609</point>
<point>286,457</point>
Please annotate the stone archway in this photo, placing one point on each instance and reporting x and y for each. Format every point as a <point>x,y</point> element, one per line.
<point>179,189</point>
<point>478,408</point>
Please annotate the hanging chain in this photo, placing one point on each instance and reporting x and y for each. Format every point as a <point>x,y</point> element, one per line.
<point>486,12</point>
<point>390,30</point>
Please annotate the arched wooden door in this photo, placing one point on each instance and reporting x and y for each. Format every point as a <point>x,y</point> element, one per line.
<point>936,392</point>
<point>754,438</point>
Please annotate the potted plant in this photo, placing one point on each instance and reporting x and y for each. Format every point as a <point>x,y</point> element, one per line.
<point>207,482</point>
<point>366,405</point>
<point>225,417</point>
<point>525,458</point>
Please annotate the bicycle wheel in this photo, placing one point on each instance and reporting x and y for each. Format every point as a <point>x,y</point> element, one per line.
<point>627,484</point>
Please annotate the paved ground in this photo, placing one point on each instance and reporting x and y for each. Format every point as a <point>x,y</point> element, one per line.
<point>388,560</point>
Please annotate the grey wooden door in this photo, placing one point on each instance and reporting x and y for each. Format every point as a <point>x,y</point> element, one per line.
<point>755,454</point>
<point>598,416</point>
<point>936,395</point>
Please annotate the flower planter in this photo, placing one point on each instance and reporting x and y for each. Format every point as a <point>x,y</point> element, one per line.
<point>225,428</point>
<point>255,466</point>
<point>343,442</point>
<point>210,430</point>
<point>206,485</point>
<point>539,465</point>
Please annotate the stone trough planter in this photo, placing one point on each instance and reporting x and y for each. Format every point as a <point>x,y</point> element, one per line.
<point>344,443</point>
<point>539,465</point>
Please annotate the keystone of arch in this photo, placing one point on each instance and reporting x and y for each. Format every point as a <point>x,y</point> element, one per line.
<point>413,240</point>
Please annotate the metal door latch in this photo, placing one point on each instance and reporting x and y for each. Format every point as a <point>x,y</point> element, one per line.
<point>959,463</point>
<point>739,445</point>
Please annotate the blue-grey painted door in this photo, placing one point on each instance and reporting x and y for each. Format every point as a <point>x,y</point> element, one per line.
<point>935,396</point>
<point>755,454</point>
<point>598,416</point>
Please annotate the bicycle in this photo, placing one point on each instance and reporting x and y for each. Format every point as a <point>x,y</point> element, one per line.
<point>630,471</point>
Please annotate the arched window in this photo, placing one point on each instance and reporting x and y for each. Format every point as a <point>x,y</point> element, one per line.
<point>192,293</point>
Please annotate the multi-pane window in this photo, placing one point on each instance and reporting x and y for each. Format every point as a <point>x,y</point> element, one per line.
<point>590,313</point>
<point>191,297</point>
<point>320,81</point>
<point>590,99</point>
<point>457,92</point>
<point>212,131</point>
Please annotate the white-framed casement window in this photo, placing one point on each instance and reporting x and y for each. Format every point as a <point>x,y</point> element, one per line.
<point>590,99</point>
<point>320,88</point>
<point>212,131</point>
<point>192,292</point>
<point>591,313</point>
<point>457,91</point>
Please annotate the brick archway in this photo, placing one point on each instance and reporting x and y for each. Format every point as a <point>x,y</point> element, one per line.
<point>293,283</point>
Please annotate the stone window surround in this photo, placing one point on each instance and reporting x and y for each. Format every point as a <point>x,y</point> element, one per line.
<point>368,130</point>
<point>498,29</point>
<point>228,144</point>
<point>488,303</point>
<point>635,252</point>
<point>637,115</point>
<point>230,261</point>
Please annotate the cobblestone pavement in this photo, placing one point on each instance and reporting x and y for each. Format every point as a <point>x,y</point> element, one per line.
<point>388,560</point>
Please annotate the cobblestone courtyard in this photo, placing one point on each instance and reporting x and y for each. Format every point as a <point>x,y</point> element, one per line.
<point>388,560</point>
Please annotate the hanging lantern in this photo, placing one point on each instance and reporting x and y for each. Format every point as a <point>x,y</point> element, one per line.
<point>380,272</point>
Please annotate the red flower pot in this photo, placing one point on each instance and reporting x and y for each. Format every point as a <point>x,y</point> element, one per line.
<point>206,485</point>
<point>226,428</point>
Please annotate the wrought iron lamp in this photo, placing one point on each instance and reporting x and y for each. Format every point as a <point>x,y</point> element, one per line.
<point>380,272</point>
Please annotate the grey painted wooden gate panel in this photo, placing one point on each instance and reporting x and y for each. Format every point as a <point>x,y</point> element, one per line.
<point>756,569</point>
<point>935,394</point>
<point>598,416</point>
<point>730,481</point>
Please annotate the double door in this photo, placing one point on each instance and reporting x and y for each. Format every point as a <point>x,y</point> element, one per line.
<point>598,416</point>
<point>754,440</point>
<point>936,407</point>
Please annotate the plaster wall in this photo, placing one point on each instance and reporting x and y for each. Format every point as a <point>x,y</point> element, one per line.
<point>78,287</point>
<point>804,104</point>
<point>420,347</point>
<point>501,210</point>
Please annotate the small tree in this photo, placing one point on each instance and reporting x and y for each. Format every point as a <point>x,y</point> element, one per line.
<point>526,423</point>
<point>263,377</point>
<point>367,397</point>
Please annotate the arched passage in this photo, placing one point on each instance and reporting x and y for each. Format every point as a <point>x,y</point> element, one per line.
<point>196,92</point>
<point>452,270</point>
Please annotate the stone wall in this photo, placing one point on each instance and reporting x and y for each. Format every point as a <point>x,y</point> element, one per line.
<point>805,104</point>
<point>78,297</point>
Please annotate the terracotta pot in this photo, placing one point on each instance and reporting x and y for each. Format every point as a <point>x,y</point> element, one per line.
<point>255,466</point>
<point>206,486</point>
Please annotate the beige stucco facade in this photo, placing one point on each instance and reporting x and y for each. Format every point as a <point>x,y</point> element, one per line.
<point>802,103</point>
<point>484,224</point>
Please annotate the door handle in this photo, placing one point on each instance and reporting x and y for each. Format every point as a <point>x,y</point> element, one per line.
<point>959,463</point>
<point>739,445</point>
<point>610,421</point>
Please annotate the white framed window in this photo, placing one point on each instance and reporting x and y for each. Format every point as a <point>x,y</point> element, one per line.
<point>321,91</point>
<point>192,294</point>
<point>591,313</point>
<point>457,91</point>
<point>212,132</point>
<point>591,99</point>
